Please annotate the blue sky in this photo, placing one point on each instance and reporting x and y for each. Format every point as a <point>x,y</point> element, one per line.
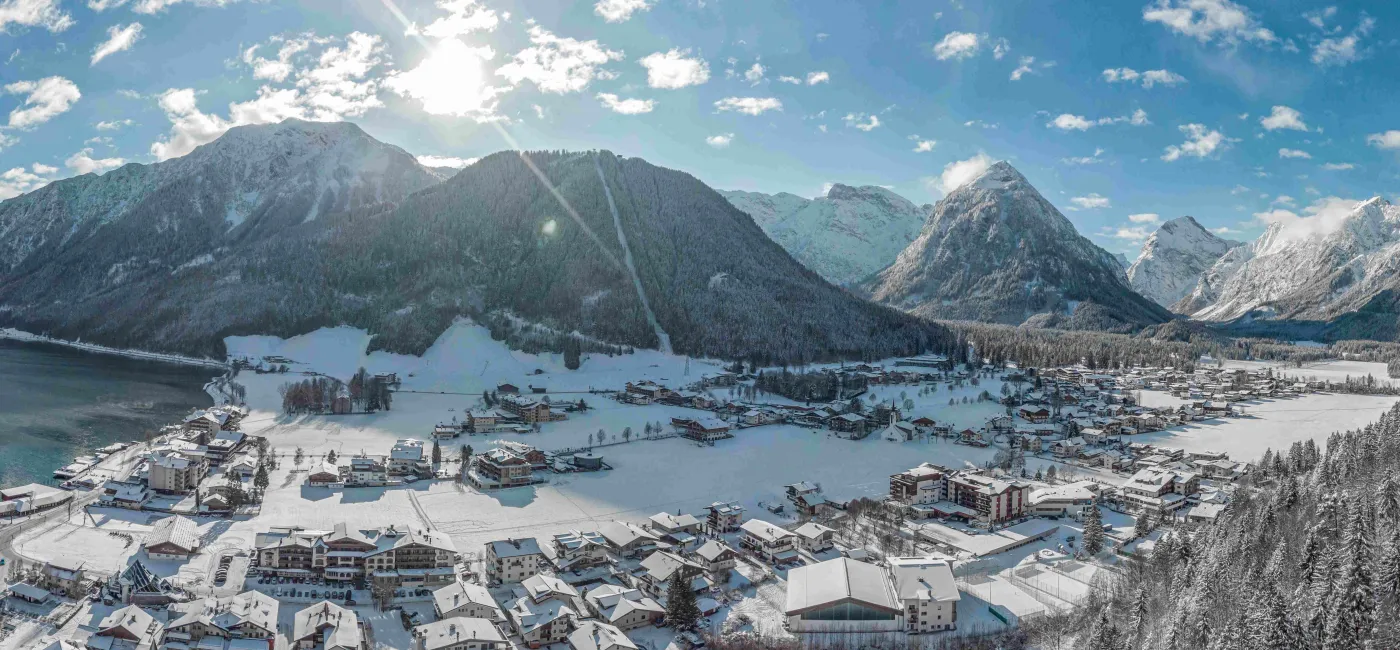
<point>1238,113</point>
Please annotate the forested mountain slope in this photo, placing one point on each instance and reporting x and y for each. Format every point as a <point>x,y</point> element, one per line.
<point>845,236</point>
<point>994,250</point>
<point>281,229</point>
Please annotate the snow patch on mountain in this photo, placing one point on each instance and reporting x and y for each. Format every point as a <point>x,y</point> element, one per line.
<point>1173,259</point>
<point>844,236</point>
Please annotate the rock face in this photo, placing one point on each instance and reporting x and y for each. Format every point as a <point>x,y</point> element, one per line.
<point>1342,276</point>
<point>995,250</point>
<point>1173,259</point>
<point>281,229</point>
<point>844,236</point>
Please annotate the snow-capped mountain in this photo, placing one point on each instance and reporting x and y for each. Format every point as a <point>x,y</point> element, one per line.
<point>995,250</point>
<point>843,236</point>
<point>250,182</point>
<point>1173,259</point>
<point>1306,271</point>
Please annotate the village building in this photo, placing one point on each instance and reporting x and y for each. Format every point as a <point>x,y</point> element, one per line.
<point>1070,500</point>
<point>459,633</point>
<point>546,614</point>
<point>467,600</point>
<point>131,495</point>
<point>770,542</point>
<point>706,429</point>
<point>841,595</point>
<point>482,420</point>
<point>656,571</point>
<point>1157,490</point>
<point>577,550</point>
<point>501,467</point>
<point>593,635</point>
<point>326,626</point>
<point>513,560</point>
<point>628,539</point>
<point>406,457</point>
<point>64,575</point>
<point>717,558</point>
<point>679,528</point>
<point>172,538</point>
<point>723,517</point>
<point>249,615</point>
<point>176,472</point>
<point>389,556</point>
<point>814,537</point>
<point>323,475</point>
<point>623,607</point>
<point>927,593</point>
<point>367,471</point>
<point>128,627</point>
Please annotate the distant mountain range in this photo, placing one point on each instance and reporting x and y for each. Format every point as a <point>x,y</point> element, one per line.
<point>995,250</point>
<point>845,236</point>
<point>1173,258</point>
<point>280,229</point>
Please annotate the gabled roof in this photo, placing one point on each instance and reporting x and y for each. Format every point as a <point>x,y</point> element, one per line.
<point>516,547</point>
<point>175,531</point>
<point>459,594</point>
<point>764,530</point>
<point>457,629</point>
<point>828,583</point>
<point>712,550</point>
<point>592,635</point>
<point>621,533</point>
<point>341,626</point>
<point>661,565</point>
<point>811,530</point>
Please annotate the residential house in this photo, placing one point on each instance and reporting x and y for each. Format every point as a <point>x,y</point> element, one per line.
<point>628,539</point>
<point>1034,414</point>
<point>624,607</point>
<point>707,429</point>
<point>501,467</point>
<point>1067,448</point>
<point>172,538</point>
<point>814,537</point>
<point>769,542</point>
<point>577,550</point>
<point>994,500</point>
<point>131,495</point>
<point>717,558</point>
<point>406,457</point>
<point>657,569</point>
<point>926,592</point>
<point>176,472</point>
<point>249,615</point>
<point>679,528</point>
<point>547,613</point>
<point>466,599</point>
<point>513,560</point>
<point>593,635</point>
<point>130,628</point>
<point>367,471</point>
<point>64,575</point>
<point>723,517</point>
<point>1159,490</point>
<point>326,626</point>
<point>482,420</point>
<point>459,633</point>
<point>325,474</point>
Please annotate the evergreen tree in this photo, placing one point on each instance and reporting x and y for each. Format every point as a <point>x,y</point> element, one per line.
<point>681,609</point>
<point>1353,615</point>
<point>437,453</point>
<point>1137,622</point>
<point>1388,569</point>
<point>260,480</point>
<point>1093,529</point>
<point>1143,525</point>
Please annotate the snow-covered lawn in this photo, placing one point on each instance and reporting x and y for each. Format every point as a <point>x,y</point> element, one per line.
<point>1335,371</point>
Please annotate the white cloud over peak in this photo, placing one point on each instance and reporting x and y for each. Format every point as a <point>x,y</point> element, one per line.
<point>44,100</point>
<point>674,69</point>
<point>1294,153</point>
<point>626,106</point>
<point>1320,218</point>
<point>83,163</point>
<point>749,105</point>
<point>720,141</point>
<point>862,121</point>
<point>1283,117</point>
<point>961,172</point>
<point>958,45</point>
<point>430,160</point>
<point>18,180</point>
<point>617,11</point>
<point>557,64</point>
<point>1208,20</point>
<point>33,13</point>
<point>1093,201</point>
<point>452,80</point>
<point>1146,79</point>
<point>1200,143</point>
<point>1072,122</point>
<point>118,39</point>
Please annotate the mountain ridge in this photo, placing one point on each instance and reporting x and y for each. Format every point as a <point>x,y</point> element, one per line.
<point>1173,259</point>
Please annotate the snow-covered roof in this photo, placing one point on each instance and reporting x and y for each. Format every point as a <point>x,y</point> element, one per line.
<point>712,550</point>
<point>592,635</point>
<point>516,547</point>
<point>765,531</point>
<point>456,630</point>
<point>811,530</point>
<point>176,531</point>
<point>827,583</point>
<point>668,521</point>
<point>340,627</point>
<point>917,578</point>
<point>459,594</point>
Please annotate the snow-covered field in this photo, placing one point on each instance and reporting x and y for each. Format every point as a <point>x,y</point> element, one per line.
<point>1336,371</point>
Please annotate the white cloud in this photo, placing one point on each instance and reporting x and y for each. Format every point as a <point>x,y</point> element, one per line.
<point>44,100</point>
<point>817,77</point>
<point>1319,18</point>
<point>923,146</point>
<point>1341,51</point>
<point>118,39</point>
<point>674,69</point>
<point>754,75</point>
<point>720,141</point>
<point>1072,122</point>
<point>1093,201</point>
<point>616,11</point>
<point>1224,230</point>
<point>862,121</point>
<point>1134,234</point>
<point>1207,20</point>
<point>1322,217</point>
<point>33,13</point>
<point>1023,69</point>
<point>280,68</point>
<point>112,125</point>
<point>463,17</point>
<point>1085,160</point>
<point>83,163</point>
<point>452,80</point>
<point>429,160</point>
<point>1294,153</point>
<point>558,64</point>
<point>957,45</point>
<point>1200,142</point>
<point>1337,167</point>
<point>156,6</point>
<point>1387,140</point>
<point>790,80</point>
<point>961,172</point>
<point>1146,79</point>
<point>1001,49</point>
<point>749,105</point>
<point>981,124</point>
<point>626,106</point>
<point>1146,217</point>
<point>1239,189</point>
<point>18,180</point>
<point>1283,117</point>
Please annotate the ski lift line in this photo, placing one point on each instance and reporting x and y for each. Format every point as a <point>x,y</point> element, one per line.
<point>663,339</point>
